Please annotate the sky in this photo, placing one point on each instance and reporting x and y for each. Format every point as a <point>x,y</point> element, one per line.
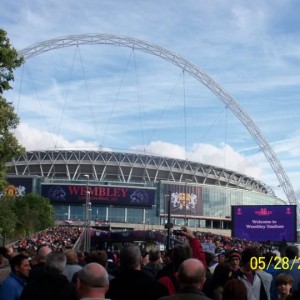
<point>122,99</point>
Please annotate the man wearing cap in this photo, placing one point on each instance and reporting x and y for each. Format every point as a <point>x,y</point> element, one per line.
<point>234,259</point>
<point>220,258</point>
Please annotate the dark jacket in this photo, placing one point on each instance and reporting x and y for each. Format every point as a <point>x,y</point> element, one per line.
<point>49,287</point>
<point>187,294</point>
<point>152,269</point>
<point>135,285</point>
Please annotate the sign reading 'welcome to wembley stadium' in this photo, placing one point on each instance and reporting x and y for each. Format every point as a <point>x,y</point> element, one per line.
<point>102,195</point>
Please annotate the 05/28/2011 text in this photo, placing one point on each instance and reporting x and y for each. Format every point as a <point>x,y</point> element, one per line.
<point>277,263</point>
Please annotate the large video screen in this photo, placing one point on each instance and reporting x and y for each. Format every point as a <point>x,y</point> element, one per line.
<point>262,223</point>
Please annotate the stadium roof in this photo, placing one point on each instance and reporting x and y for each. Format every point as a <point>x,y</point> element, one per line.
<point>127,168</point>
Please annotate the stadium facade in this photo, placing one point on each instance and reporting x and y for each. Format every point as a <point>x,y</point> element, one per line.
<point>135,188</point>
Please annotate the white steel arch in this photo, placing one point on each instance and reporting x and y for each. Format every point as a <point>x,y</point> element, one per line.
<point>187,66</point>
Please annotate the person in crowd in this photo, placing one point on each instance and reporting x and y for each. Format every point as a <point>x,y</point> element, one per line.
<point>208,285</point>
<point>210,259</point>
<point>100,257</point>
<point>38,268</point>
<point>92,282</point>
<point>81,258</point>
<point>145,258</point>
<point>220,257</point>
<point>267,280</point>
<point>191,277</point>
<point>271,259</point>
<point>234,259</point>
<point>131,283</point>
<point>52,284</point>
<point>222,274</point>
<point>72,265</point>
<point>182,252</point>
<point>112,263</point>
<point>12,287</point>
<point>254,283</point>
<point>168,267</point>
<point>283,283</point>
<point>3,258</point>
<point>4,264</point>
<point>295,295</point>
<point>10,252</point>
<point>234,289</point>
<point>292,253</point>
<point>154,265</point>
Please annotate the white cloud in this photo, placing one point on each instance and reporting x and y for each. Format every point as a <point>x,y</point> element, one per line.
<point>35,139</point>
<point>223,156</point>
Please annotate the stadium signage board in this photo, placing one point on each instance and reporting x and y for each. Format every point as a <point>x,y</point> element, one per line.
<point>185,199</point>
<point>99,195</point>
<point>18,186</point>
<point>263,223</point>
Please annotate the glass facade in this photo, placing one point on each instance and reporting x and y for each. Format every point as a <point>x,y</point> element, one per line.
<point>216,201</point>
<point>197,205</point>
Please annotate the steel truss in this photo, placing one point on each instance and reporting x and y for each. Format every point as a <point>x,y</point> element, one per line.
<point>126,167</point>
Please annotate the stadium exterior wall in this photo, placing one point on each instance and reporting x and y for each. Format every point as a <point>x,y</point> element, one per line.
<point>198,195</point>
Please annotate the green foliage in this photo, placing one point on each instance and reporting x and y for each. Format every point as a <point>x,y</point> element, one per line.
<point>9,146</point>
<point>8,218</point>
<point>9,61</point>
<point>20,217</point>
<point>34,214</point>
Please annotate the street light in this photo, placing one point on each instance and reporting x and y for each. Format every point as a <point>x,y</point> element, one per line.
<point>153,214</point>
<point>110,214</point>
<point>86,246</point>
<point>185,201</point>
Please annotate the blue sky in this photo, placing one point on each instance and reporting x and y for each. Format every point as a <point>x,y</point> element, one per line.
<point>126,100</point>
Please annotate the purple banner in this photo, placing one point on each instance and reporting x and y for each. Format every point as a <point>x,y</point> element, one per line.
<point>261,223</point>
<point>185,199</point>
<point>102,195</point>
<point>128,236</point>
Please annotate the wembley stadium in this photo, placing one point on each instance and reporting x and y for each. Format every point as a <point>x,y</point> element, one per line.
<point>135,189</point>
<point>139,191</point>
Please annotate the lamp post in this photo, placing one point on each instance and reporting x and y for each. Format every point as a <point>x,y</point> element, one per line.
<point>185,201</point>
<point>168,225</point>
<point>86,247</point>
<point>152,218</point>
<point>110,215</point>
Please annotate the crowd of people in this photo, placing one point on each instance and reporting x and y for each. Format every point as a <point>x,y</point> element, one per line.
<point>46,266</point>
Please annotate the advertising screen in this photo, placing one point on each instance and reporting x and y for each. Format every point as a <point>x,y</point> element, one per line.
<point>261,223</point>
<point>102,195</point>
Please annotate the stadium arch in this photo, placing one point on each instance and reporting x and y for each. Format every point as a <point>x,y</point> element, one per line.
<point>190,68</point>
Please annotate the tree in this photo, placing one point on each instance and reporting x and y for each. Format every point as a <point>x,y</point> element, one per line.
<point>9,146</point>
<point>34,213</point>
<point>8,219</point>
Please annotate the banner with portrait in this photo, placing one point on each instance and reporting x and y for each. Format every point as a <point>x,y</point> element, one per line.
<point>185,199</point>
